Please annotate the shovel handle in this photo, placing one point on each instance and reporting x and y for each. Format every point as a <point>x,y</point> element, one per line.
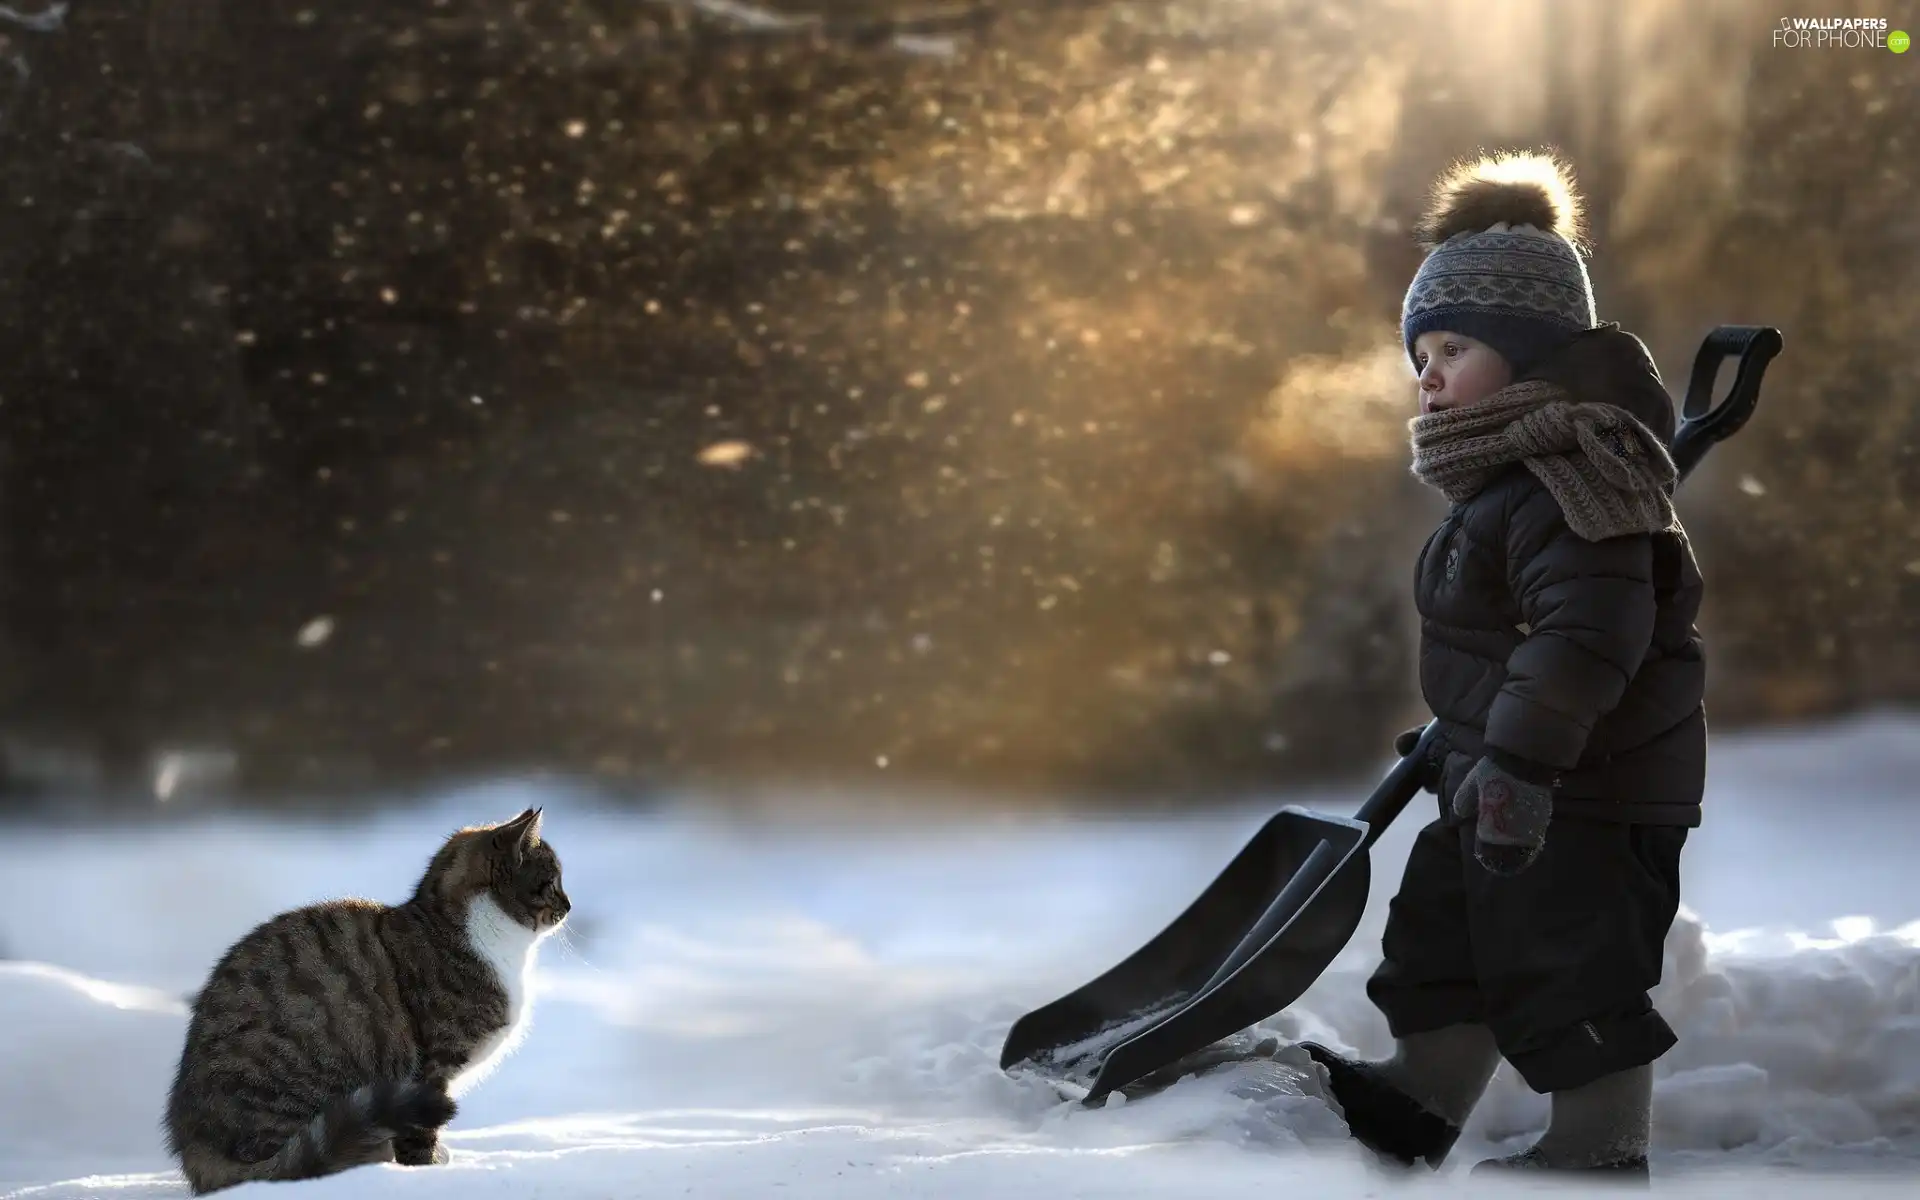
<point>1702,423</point>
<point>1397,790</point>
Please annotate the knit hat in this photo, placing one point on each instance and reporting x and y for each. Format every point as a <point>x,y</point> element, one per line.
<point>1504,263</point>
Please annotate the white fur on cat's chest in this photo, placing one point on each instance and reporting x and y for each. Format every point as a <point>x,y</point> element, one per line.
<point>508,947</point>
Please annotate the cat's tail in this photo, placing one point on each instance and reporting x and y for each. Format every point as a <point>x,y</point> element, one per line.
<point>351,1131</point>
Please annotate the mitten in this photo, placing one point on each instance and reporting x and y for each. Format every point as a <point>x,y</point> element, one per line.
<point>1510,815</point>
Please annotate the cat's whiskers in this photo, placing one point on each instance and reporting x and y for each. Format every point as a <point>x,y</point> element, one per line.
<point>566,943</point>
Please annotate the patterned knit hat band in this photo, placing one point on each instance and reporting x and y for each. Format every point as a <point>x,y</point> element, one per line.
<point>1520,290</point>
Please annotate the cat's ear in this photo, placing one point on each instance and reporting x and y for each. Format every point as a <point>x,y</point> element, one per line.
<point>512,838</point>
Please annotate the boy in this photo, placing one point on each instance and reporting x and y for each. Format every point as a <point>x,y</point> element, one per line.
<point>1558,651</point>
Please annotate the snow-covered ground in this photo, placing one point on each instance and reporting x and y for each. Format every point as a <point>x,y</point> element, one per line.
<point>804,1008</point>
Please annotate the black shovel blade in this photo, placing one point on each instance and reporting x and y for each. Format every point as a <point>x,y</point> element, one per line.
<point>1311,919</point>
<point>1256,939</point>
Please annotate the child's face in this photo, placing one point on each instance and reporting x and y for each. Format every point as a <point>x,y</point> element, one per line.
<point>1455,370</point>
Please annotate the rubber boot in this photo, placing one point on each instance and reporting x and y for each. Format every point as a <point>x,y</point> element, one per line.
<point>1599,1130</point>
<point>1409,1109</point>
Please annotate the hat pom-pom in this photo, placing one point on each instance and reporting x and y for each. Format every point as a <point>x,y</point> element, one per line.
<point>1509,189</point>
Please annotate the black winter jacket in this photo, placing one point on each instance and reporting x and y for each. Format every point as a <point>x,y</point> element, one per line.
<point>1560,656</point>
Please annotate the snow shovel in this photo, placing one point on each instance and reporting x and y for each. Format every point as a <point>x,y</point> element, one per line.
<point>1267,927</point>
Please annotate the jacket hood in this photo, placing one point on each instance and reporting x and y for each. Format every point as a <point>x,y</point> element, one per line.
<point>1608,365</point>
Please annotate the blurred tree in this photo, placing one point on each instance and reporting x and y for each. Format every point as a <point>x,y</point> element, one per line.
<point>1004,392</point>
<point>1767,187</point>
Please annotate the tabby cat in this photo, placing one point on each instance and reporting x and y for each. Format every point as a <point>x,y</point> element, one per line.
<point>337,1035</point>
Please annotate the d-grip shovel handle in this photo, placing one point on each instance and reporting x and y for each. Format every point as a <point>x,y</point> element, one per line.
<point>1701,423</point>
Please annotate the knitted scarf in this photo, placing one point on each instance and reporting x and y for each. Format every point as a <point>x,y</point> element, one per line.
<point>1610,474</point>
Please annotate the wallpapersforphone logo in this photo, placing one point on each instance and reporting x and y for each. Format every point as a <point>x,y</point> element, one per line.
<point>1839,33</point>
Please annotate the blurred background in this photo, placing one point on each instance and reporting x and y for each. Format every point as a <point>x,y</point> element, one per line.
<point>1003,397</point>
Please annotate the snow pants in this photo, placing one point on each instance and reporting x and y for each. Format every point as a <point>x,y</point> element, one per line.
<point>1557,961</point>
